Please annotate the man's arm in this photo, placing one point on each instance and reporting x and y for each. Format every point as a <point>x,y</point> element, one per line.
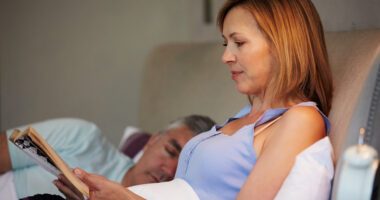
<point>5,164</point>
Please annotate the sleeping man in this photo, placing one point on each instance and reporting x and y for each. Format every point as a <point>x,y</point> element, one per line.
<point>81,144</point>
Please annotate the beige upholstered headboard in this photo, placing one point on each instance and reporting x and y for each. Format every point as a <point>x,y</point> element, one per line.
<point>355,59</point>
<point>183,79</point>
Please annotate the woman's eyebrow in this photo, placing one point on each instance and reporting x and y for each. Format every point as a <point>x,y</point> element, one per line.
<point>230,35</point>
<point>175,144</point>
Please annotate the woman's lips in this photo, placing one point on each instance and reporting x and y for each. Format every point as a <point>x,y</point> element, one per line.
<point>235,74</point>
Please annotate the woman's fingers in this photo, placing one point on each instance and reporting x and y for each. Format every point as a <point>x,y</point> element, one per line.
<point>93,181</point>
<point>68,184</point>
<point>69,194</point>
<point>102,188</point>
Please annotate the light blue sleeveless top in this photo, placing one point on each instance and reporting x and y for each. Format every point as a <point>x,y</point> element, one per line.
<point>217,165</point>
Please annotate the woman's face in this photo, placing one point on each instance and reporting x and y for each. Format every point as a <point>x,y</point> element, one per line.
<point>247,52</point>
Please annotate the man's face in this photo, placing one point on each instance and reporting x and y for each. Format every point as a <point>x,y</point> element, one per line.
<point>160,158</point>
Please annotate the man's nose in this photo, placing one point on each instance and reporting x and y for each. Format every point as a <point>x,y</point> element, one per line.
<point>169,169</point>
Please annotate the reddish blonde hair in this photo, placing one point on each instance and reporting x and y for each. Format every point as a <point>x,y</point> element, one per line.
<point>295,32</point>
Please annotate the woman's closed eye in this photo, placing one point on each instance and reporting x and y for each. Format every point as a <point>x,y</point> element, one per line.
<point>239,44</point>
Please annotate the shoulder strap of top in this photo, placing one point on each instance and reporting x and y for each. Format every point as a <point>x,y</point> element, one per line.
<point>266,126</point>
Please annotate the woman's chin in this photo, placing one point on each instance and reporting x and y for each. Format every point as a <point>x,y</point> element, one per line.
<point>243,90</point>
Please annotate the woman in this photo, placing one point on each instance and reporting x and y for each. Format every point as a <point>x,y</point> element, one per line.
<point>276,53</point>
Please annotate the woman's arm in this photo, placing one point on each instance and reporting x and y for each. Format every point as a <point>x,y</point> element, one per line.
<point>299,128</point>
<point>100,188</point>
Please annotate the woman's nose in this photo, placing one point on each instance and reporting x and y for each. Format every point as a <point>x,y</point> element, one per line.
<point>228,56</point>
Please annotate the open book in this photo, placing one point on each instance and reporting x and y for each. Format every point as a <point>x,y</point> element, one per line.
<point>39,150</point>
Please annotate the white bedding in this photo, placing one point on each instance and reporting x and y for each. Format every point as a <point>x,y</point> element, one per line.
<point>172,190</point>
<point>7,187</point>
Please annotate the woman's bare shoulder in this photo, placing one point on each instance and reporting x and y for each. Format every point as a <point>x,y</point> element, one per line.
<point>300,126</point>
<point>303,121</point>
<point>304,113</point>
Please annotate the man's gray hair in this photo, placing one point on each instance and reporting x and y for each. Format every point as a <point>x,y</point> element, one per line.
<point>196,123</point>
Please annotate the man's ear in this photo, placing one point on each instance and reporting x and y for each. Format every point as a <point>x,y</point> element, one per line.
<point>152,140</point>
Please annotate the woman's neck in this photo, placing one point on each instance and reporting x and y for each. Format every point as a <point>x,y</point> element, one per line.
<point>260,105</point>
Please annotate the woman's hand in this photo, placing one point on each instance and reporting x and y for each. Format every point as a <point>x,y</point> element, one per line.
<point>100,188</point>
<point>64,186</point>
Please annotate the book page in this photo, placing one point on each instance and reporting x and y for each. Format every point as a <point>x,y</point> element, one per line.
<point>37,148</point>
<point>26,144</point>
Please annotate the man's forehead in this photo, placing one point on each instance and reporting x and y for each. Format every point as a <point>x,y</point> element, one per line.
<point>180,134</point>
<point>178,131</point>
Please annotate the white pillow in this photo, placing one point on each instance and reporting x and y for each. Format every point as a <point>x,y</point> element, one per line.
<point>311,175</point>
<point>171,190</point>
